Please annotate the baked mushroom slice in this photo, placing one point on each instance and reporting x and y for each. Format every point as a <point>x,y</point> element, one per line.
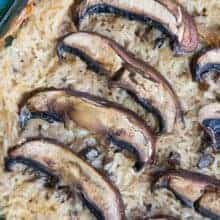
<point>52,159</point>
<point>206,62</point>
<point>12,15</point>
<point>193,189</point>
<point>209,119</point>
<point>166,15</point>
<point>104,118</point>
<point>148,86</point>
<point>209,204</point>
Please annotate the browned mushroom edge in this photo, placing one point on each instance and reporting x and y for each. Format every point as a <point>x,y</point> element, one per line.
<point>125,71</point>
<point>166,15</point>
<point>162,217</point>
<point>209,119</point>
<point>193,189</point>
<point>59,163</point>
<point>104,118</point>
<point>157,217</point>
<point>206,61</point>
<point>10,21</point>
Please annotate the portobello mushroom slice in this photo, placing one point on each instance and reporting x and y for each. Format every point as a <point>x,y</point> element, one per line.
<point>209,204</point>
<point>12,15</point>
<point>206,62</point>
<point>104,118</point>
<point>148,86</point>
<point>53,159</point>
<point>209,118</point>
<point>166,15</point>
<point>193,189</point>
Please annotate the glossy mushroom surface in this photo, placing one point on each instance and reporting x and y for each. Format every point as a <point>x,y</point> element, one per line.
<point>59,162</point>
<point>193,189</point>
<point>166,15</point>
<point>147,85</point>
<point>101,117</point>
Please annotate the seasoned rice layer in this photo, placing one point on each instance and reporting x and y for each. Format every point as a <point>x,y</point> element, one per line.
<point>31,62</point>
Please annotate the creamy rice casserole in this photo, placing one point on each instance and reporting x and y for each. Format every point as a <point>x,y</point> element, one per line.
<point>109,109</point>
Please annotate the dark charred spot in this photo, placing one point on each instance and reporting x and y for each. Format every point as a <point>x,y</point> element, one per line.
<point>9,41</point>
<point>204,12</point>
<point>174,159</point>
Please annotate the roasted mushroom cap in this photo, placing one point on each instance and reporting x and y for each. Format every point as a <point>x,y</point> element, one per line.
<point>148,86</point>
<point>209,118</point>
<point>123,127</point>
<point>55,160</point>
<point>206,62</point>
<point>12,16</point>
<point>165,15</point>
<point>192,189</point>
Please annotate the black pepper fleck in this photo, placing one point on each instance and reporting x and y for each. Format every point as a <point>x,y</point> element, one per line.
<point>174,159</point>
